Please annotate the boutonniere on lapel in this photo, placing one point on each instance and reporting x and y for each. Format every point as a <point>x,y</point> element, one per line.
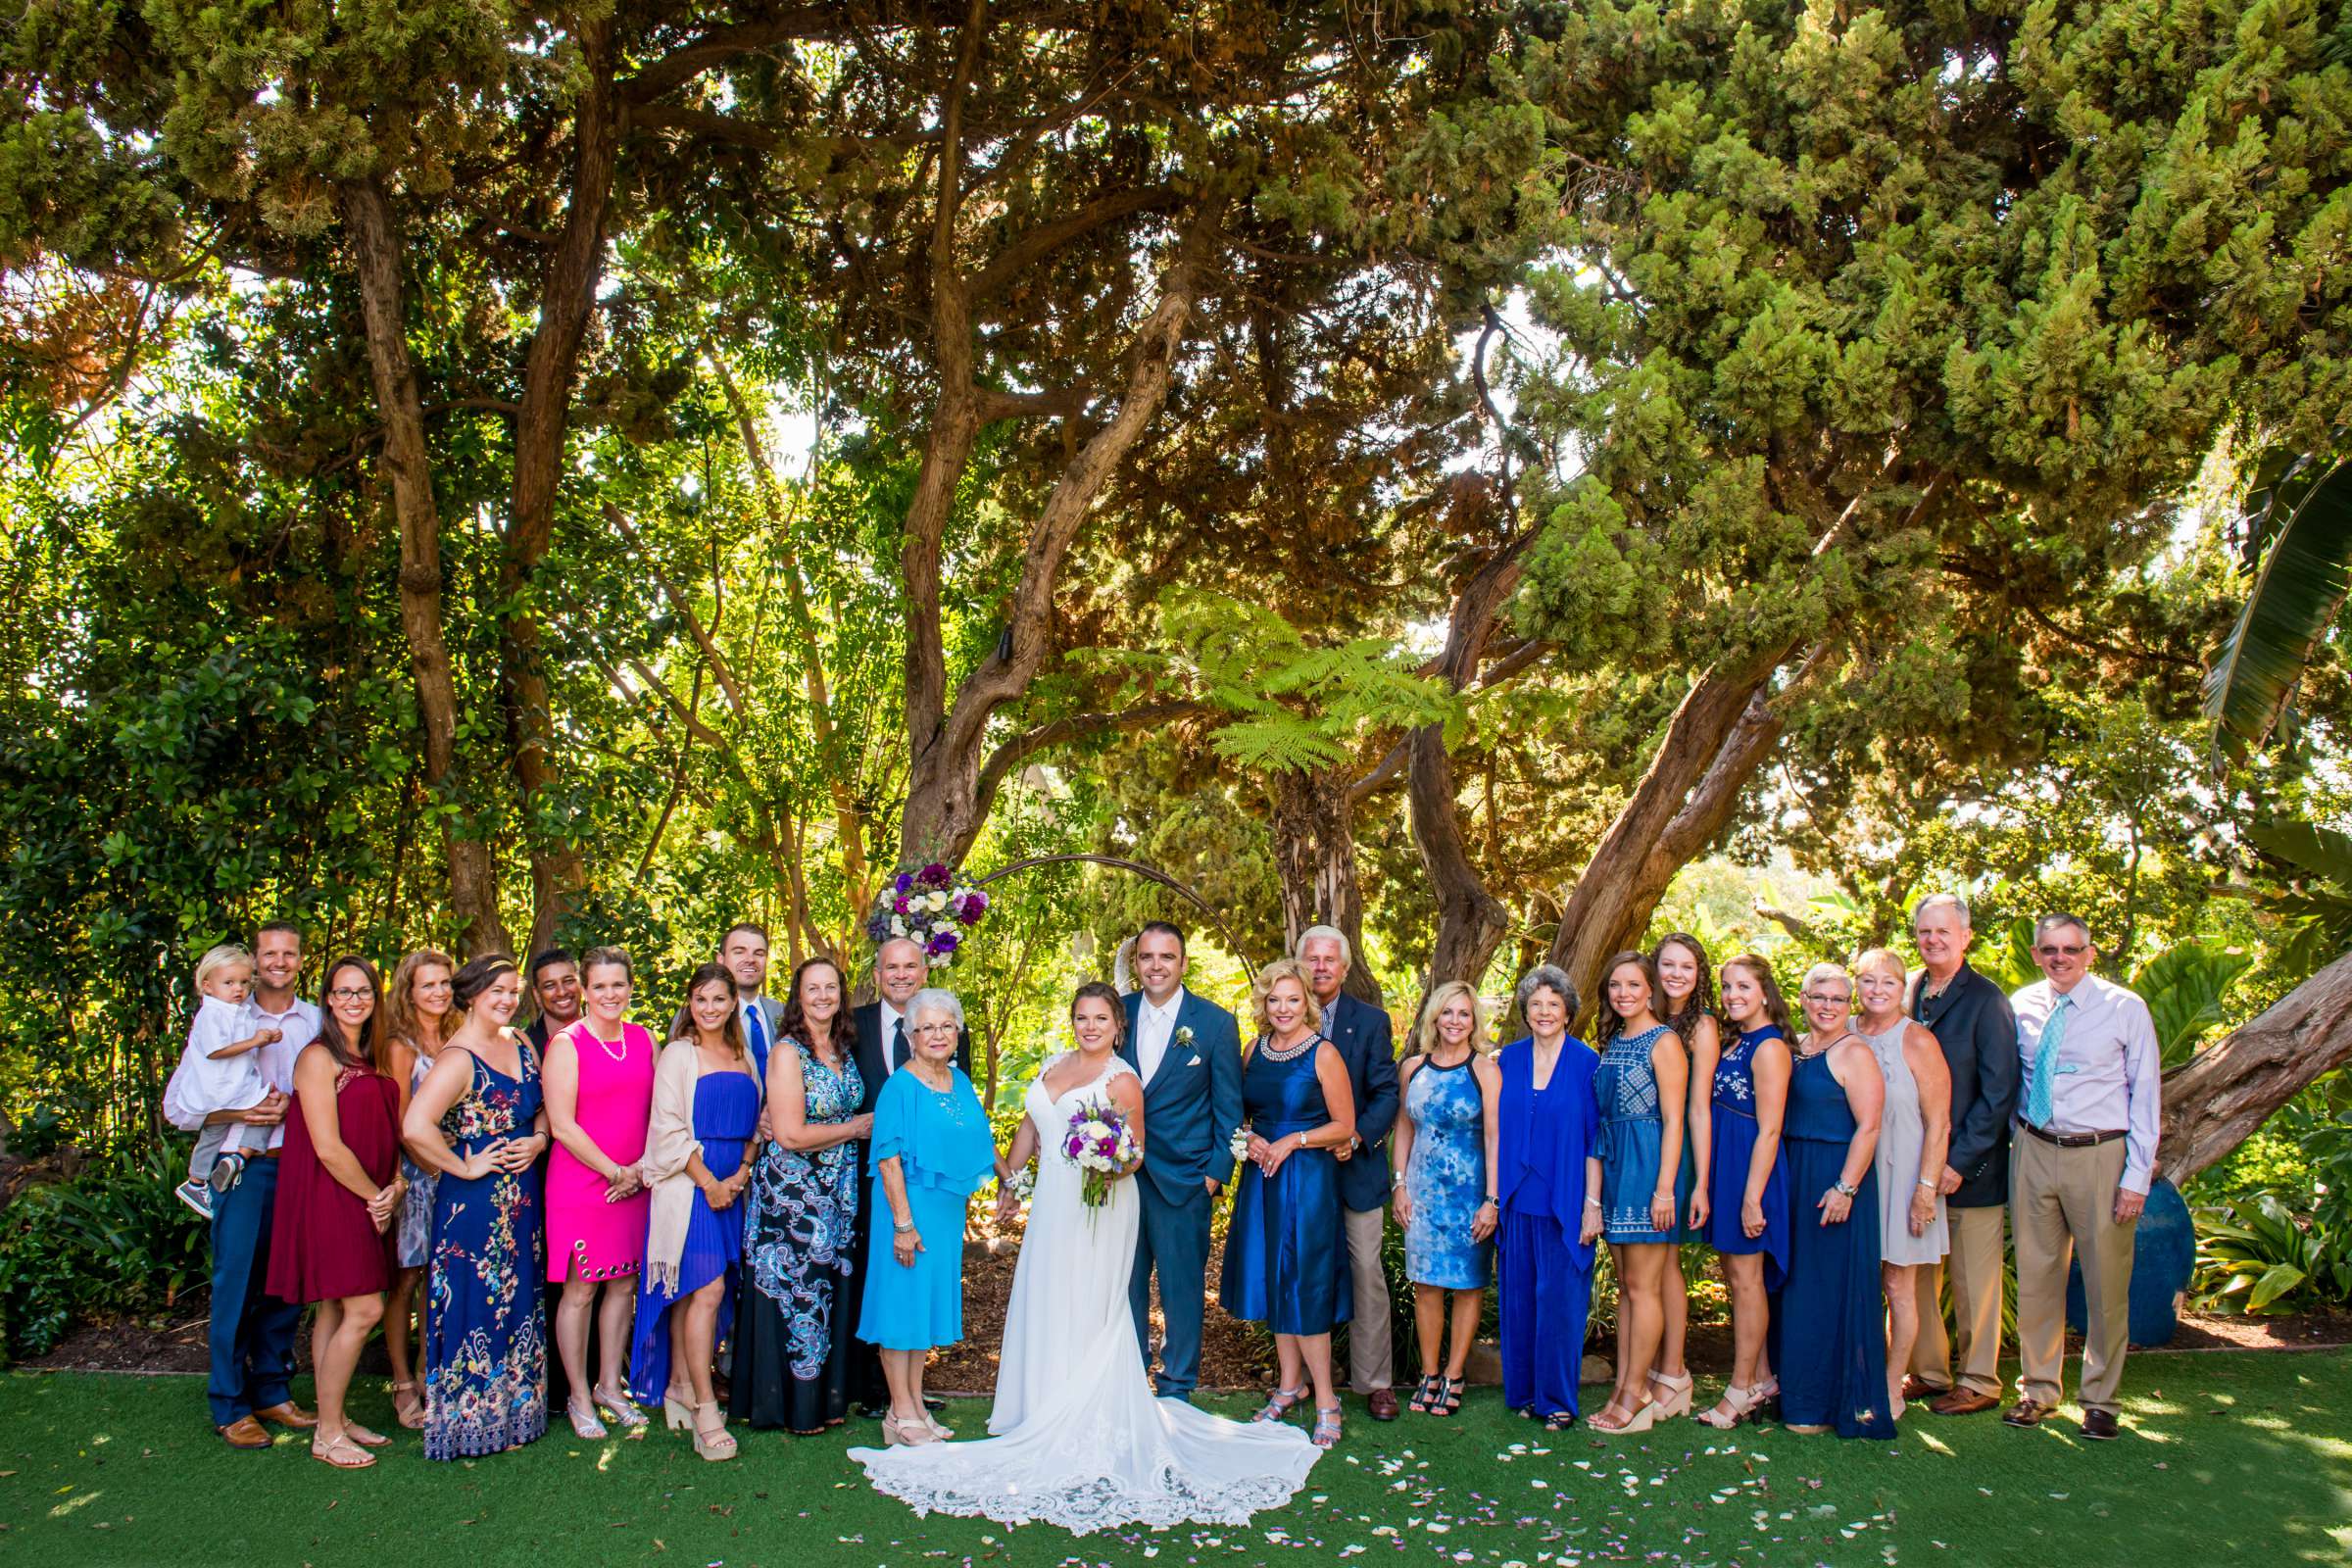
<point>1183,1039</point>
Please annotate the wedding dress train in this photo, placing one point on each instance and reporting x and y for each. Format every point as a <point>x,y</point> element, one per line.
<point>1079,1438</point>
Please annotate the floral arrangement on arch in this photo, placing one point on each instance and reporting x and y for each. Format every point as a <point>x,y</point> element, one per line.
<point>931,908</point>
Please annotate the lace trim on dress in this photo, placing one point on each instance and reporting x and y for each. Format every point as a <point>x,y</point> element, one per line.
<point>1082,1504</point>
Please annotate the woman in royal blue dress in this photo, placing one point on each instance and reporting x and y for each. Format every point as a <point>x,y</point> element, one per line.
<point>931,1149</point>
<point>706,1110</point>
<point>1547,1184</point>
<point>1442,1150</point>
<point>1640,1087</point>
<point>1831,1340</point>
<point>477,1120</point>
<point>792,1353</point>
<point>1748,1222</point>
<point>1286,1263</point>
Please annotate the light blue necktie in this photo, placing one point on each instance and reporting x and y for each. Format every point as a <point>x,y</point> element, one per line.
<point>2039,1108</point>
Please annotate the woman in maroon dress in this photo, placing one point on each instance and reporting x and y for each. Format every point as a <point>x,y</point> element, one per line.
<point>338,1193</point>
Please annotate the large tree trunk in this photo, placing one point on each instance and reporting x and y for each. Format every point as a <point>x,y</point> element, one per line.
<point>1314,865</point>
<point>2216,1098</point>
<point>376,256</point>
<point>1471,921</point>
<point>566,298</point>
<point>1718,735</point>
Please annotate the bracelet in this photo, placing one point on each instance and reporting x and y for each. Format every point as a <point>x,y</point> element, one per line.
<point>1929,1185</point>
<point>902,1228</point>
<point>1396,1181</point>
<point>1590,1201</point>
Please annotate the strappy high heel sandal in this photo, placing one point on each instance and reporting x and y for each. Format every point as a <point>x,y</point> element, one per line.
<point>1559,1421</point>
<point>1425,1396</point>
<point>1280,1403</point>
<point>677,1409</point>
<point>1677,1401</point>
<point>1639,1421</point>
<point>711,1438</point>
<point>408,1405</point>
<point>1739,1407</point>
<point>1449,1395</point>
<point>1327,1426</point>
<point>619,1408</point>
<point>584,1423</point>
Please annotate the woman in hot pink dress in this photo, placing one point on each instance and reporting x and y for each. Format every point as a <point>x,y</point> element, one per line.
<point>600,1097</point>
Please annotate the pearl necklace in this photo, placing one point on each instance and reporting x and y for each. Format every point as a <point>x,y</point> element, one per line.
<point>621,1055</point>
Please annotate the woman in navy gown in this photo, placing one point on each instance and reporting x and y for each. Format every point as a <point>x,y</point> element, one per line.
<point>479,1121</point>
<point>1831,1343</point>
<point>1286,1263</point>
<point>1548,1171</point>
<point>1747,1220</point>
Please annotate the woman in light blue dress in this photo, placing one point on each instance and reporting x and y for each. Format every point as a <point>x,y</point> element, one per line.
<point>1640,1087</point>
<point>1442,1152</point>
<point>931,1151</point>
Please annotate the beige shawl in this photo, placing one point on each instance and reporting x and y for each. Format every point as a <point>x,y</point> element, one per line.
<point>670,1144</point>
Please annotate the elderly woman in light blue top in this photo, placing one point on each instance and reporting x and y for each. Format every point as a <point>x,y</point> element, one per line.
<point>931,1151</point>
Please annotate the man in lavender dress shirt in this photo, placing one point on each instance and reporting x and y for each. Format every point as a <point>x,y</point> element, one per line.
<point>2084,1155</point>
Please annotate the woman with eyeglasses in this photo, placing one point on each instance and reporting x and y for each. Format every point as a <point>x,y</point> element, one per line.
<point>1828,1328</point>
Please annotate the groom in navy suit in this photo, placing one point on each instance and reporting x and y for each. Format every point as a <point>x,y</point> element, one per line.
<point>1188,1051</point>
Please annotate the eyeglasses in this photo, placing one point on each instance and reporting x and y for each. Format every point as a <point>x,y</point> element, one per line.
<point>940,1027</point>
<point>348,993</point>
<point>1825,998</point>
<point>2051,950</point>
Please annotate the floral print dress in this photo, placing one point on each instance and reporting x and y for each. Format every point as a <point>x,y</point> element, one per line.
<point>792,1343</point>
<point>485,1347</point>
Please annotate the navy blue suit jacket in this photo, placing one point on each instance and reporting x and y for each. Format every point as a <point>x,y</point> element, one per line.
<point>1367,1044</point>
<point>1193,1104</point>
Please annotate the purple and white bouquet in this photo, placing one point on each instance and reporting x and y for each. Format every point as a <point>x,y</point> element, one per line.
<point>931,908</point>
<point>1102,1145</point>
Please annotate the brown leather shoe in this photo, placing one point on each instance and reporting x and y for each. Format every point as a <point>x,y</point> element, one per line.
<point>2025,1413</point>
<point>1382,1402</point>
<point>244,1433</point>
<point>1964,1401</point>
<point>2099,1425</point>
<point>1917,1387</point>
<point>288,1414</point>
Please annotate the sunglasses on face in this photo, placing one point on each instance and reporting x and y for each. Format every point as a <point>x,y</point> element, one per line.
<point>2052,950</point>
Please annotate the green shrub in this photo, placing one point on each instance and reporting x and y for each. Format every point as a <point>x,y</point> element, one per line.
<point>111,1242</point>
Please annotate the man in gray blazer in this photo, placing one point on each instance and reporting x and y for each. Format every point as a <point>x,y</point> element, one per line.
<point>744,951</point>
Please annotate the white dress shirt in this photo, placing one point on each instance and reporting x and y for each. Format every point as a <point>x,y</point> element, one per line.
<point>892,1021</point>
<point>1154,1027</point>
<point>2109,1068</point>
<point>188,1097</point>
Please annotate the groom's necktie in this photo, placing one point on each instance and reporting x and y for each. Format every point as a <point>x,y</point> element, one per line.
<point>754,1024</point>
<point>2038,1097</point>
<point>897,1045</point>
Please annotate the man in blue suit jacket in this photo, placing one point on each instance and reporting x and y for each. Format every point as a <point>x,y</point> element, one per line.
<point>1367,1044</point>
<point>1188,1051</point>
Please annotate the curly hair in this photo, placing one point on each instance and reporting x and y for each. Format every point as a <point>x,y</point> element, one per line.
<point>1284,969</point>
<point>1701,1003</point>
<point>401,1021</point>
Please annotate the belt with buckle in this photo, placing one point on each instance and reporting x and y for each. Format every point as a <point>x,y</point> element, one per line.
<point>2072,1140</point>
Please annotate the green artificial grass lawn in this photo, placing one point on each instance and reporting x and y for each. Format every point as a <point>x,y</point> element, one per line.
<point>2222,1454</point>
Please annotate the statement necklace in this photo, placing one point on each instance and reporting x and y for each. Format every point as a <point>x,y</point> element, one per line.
<point>1292,1052</point>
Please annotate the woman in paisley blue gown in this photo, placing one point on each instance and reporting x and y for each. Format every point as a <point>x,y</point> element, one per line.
<point>1748,1223</point>
<point>706,1110</point>
<point>791,1346</point>
<point>477,1120</point>
<point>1640,1087</point>
<point>1286,1263</point>
<point>1443,1152</point>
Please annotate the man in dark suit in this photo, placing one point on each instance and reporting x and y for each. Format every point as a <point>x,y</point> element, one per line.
<point>554,977</point>
<point>1367,1044</point>
<point>1972,1020</point>
<point>899,971</point>
<point>1188,1052</point>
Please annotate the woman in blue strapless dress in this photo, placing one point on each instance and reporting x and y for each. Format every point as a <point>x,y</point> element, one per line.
<point>1830,1339</point>
<point>1640,1087</point>
<point>1748,1222</point>
<point>1285,1255</point>
<point>1686,1002</point>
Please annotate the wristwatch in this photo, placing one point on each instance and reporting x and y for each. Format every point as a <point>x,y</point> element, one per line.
<point>1843,1186</point>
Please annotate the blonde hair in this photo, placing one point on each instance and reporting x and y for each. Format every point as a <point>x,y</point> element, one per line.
<point>220,957</point>
<point>1829,972</point>
<point>1283,969</point>
<point>400,997</point>
<point>1883,958</point>
<point>1425,1032</point>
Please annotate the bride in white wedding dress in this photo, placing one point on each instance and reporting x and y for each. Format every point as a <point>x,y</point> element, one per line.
<point>1078,1438</point>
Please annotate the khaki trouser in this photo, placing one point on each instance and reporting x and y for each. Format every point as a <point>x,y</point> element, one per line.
<point>2065,1204</point>
<point>1973,1347</point>
<point>1369,1363</point>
